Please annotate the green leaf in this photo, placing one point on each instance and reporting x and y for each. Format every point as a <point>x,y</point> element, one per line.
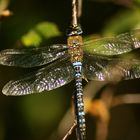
<point>42,31</point>
<point>122,22</point>
<point>32,38</point>
<point>48,30</point>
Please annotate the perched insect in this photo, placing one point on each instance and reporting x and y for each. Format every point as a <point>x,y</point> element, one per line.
<point>93,60</point>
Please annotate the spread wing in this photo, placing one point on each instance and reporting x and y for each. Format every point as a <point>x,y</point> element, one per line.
<point>120,44</point>
<point>108,68</point>
<point>48,78</point>
<point>32,57</point>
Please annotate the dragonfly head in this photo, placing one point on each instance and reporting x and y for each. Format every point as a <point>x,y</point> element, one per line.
<point>74,30</point>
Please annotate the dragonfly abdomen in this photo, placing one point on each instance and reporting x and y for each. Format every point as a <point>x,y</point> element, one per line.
<point>79,107</point>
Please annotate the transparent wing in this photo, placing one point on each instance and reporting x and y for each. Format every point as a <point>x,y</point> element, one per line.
<point>122,43</point>
<point>51,77</point>
<point>32,57</point>
<point>104,68</point>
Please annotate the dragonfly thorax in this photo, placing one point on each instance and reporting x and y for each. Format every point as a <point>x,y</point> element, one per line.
<point>75,48</point>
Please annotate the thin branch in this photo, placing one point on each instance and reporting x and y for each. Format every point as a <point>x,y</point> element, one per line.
<point>126,99</point>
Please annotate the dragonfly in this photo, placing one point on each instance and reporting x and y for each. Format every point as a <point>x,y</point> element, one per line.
<point>98,59</point>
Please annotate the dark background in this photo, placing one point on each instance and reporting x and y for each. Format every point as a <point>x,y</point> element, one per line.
<point>36,117</point>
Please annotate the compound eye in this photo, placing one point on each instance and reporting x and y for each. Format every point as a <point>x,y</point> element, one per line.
<point>74,30</point>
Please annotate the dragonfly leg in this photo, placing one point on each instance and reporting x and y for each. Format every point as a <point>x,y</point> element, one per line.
<point>85,79</point>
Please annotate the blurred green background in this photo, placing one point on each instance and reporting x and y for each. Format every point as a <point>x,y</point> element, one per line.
<point>44,22</point>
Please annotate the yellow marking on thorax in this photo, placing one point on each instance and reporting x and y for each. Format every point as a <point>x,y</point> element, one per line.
<point>75,50</point>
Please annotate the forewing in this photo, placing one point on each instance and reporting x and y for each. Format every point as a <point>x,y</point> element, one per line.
<point>112,69</point>
<point>32,57</point>
<point>45,79</point>
<point>122,43</point>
